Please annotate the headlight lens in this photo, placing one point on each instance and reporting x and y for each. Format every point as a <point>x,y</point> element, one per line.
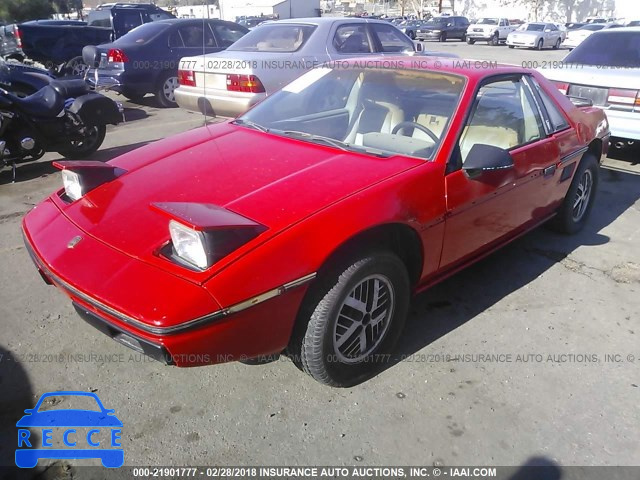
<point>72,185</point>
<point>189,244</point>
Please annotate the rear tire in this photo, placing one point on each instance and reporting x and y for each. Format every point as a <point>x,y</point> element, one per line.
<point>357,315</point>
<point>577,204</point>
<point>557,45</point>
<point>75,66</point>
<point>167,85</point>
<point>81,149</point>
<point>512,46</point>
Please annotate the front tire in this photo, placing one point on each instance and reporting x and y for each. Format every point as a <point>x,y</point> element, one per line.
<point>540,44</point>
<point>443,37</point>
<point>577,204</point>
<point>357,317</point>
<point>80,149</point>
<point>512,46</point>
<point>470,41</point>
<point>495,40</point>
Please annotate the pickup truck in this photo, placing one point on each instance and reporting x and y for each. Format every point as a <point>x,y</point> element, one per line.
<point>58,44</point>
<point>489,29</point>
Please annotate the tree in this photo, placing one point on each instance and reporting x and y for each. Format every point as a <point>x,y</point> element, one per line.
<point>23,10</point>
<point>535,6</point>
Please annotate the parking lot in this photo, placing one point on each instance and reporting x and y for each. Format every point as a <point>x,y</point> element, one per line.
<point>532,355</point>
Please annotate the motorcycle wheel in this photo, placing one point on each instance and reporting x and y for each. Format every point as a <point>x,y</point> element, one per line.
<point>79,149</point>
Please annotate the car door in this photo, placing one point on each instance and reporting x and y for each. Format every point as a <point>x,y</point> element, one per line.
<point>461,25</point>
<point>485,208</point>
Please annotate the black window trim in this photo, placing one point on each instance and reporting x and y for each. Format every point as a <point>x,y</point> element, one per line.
<point>537,91</point>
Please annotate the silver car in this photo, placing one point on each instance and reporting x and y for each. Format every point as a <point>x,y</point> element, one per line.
<point>536,35</point>
<point>275,53</point>
<point>605,69</point>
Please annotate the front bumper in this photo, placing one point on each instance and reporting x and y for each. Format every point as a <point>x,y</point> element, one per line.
<point>480,36</point>
<point>522,42</point>
<point>219,103</point>
<point>116,294</point>
<point>431,35</point>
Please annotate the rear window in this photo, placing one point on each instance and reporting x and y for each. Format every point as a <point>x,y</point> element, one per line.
<point>142,34</point>
<point>274,38</point>
<point>100,18</point>
<point>608,49</point>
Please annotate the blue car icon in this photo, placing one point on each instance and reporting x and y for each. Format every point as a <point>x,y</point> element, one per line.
<point>100,422</point>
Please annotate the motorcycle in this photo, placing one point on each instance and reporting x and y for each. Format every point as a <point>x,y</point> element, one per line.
<point>64,117</point>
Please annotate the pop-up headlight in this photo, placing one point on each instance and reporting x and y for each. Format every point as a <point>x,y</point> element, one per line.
<point>80,177</point>
<point>189,244</point>
<point>201,234</point>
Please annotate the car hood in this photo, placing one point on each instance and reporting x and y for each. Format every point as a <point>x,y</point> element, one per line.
<point>597,76</point>
<point>272,180</point>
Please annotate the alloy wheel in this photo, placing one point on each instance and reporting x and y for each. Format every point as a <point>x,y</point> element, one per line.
<point>583,196</point>
<point>363,319</point>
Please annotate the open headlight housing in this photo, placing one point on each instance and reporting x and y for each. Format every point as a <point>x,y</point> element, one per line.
<point>202,234</point>
<point>72,185</point>
<point>189,244</point>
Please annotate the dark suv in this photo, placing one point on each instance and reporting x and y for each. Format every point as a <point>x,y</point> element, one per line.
<point>124,17</point>
<point>443,28</point>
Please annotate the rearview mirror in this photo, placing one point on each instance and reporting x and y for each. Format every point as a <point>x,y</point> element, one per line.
<point>483,158</point>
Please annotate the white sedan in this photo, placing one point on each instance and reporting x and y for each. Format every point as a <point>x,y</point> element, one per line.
<point>605,69</point>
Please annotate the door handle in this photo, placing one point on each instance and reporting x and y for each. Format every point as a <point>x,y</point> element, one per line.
<point>549,171</point>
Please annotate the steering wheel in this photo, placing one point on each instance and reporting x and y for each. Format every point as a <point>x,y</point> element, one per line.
<point>422,128</point>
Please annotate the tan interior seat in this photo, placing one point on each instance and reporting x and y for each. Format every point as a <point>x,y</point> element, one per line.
<point>490,124</point>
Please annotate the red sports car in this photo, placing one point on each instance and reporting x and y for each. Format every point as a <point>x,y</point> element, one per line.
<point>305,225</point>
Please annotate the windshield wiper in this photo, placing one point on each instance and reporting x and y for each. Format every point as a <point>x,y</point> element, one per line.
<point>332,142</point>
<point>250,124</point>
<point>316,138</point>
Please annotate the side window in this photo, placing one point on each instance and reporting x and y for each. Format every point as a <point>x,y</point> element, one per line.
<point>227,34</point>
<point>391,39</point>
<point>553,28</point>
<point>557,119</point>
<point>175,40</point>
<point>504,116</point>
<point>193,36</point>
<point>351,39</point>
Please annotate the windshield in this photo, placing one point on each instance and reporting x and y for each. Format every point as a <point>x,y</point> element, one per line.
<point>533,27</point>
<point>488,21</point>
<point>436,21</point>
<point>608,49</point>
<point>274,37</point>
<point>373,111</point>
<point>142,34</point>
<point>593,28</point>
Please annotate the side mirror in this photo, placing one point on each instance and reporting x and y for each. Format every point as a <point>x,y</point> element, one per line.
<point>449,24</point>
<point>418,46</point>
<point>484,158</point>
